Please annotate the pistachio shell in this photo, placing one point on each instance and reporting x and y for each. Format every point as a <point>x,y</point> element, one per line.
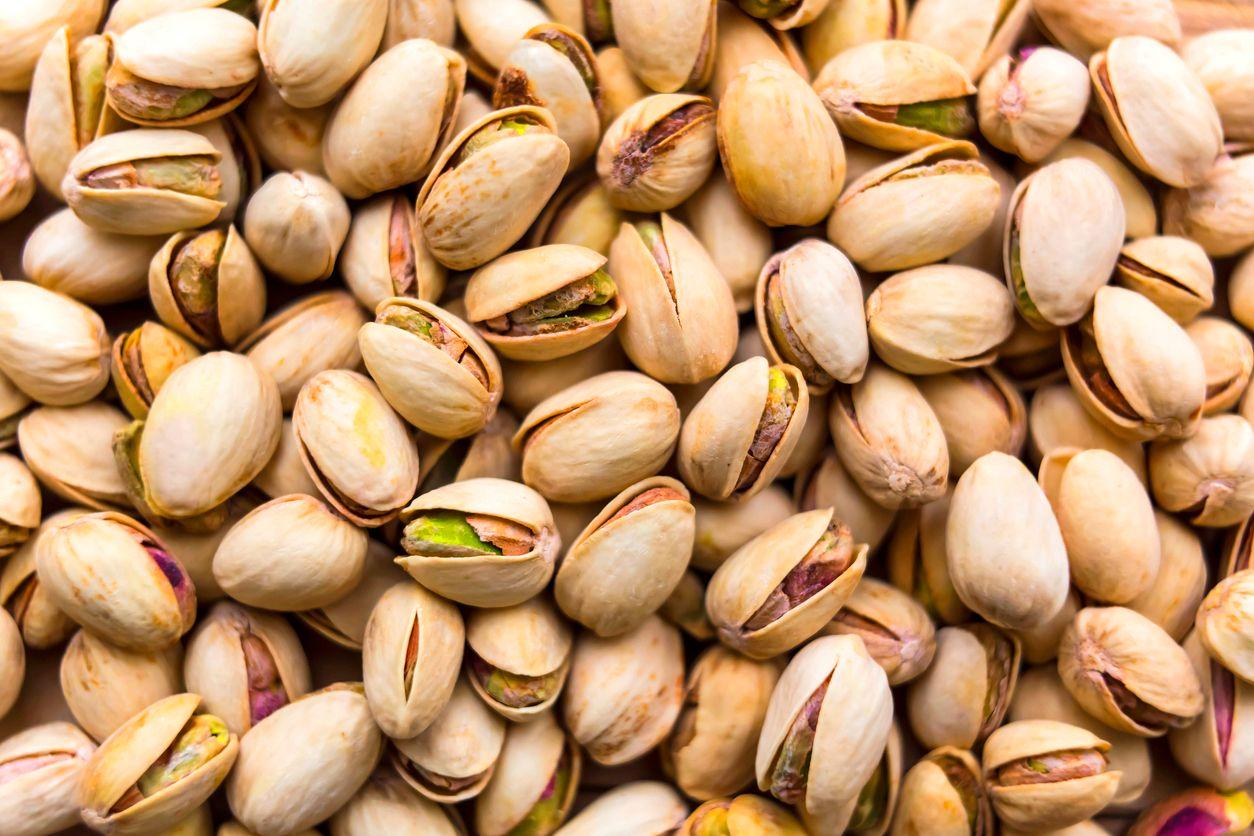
<point>980,411</point>
<point>648,808</point>
<point>1058,419</point>
<point>65,255</point>
<point>539,764</point>
<point>26,30</point>
<point>844,25</point>
<point>431,19</point>
<point>454,758</point>
<point>1225,625</point>
<point>53,348</point>
<point>285,472</point>
<point>295,226</point>
<point>12,663</point>
<point>828,485</point>
<point>668,45</point>
<point>1085,29</point>
<point>528,640</point>
<point>1030,102</point>
<point>1228,356</point>
<point>943,793</point>
<point>896,629</point>
<point>721,528</point>
<point>41,623</point>
<point>385,804</point>
<point>43,799</point>
<point>105,685</point>
<point>658,152</point>
<point>288,138</point>
<point>741,40</point>
<point>1221,61</point>
<point>492,27</point>
<point>974,33</point>
<point>1173,272</point>
<point>1217,212</point>
<point>738,243</point>
<point>580,213</point>
<point>1209,477</point>
<point>1140,214</point>
<point>311,50</point>
<point>619,85</point>
<point>344,622</point>
<point>1217,748</point>
<point>1172,598</point>
<point>385,254</point>
<point>918,561</point>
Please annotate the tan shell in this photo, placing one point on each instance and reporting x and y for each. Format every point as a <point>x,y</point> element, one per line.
<point>285,472</point>
<point>1218,212</point>
<point>1223,623</point>
<point>827,484</point>
<point>27,29</point>
<point>1208,477</point>
<point>44,800</point>
<point>1058,419</point>
<point>668,44</point>
<point>721,528</point>
<point>619,571</point>
<point>619,85</point>
<point>344,622</point>
<point>1221,61</point>
<point>311,50</point>
<point>241,286</point>
<point>1228,356</point>
<point>931,804</point>
<point>355,448</point>
<point>53,348</point>
<point>980,411</point>
<point>295,225</point>
<point>844,25</point>
<point>365,259</point>
<point>491,28</point>
<point>1174,273</point>
<point>158,351</point>
<point>65,255</point>
<point>896,629</point>
<point>640,176</point>
<point>1172,599</point>
<point>738,243</point>
<point>105,685</point>
<point>974,33</point>
<point>12,663</point>
<point>386,804</point>
<point>530,639</point>
<point>491,580</point>
<point>1040,644</point>
<point>531,755</point>
<point>984,252</point>
<point>1140,214</point>
<point>1029,105</point>
<point>1217,748</point>
<point>41,623</point>
<point>288,138</point>
<point>741,40</point>
<point>531,382</point>
<point>647,808</point>
<point>580,213</point>
<point>918,561</point>
<point>20,503</point>
<point>1083,29</point>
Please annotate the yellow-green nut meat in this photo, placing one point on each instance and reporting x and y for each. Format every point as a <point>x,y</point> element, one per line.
<point>40,771</point>
<point>518,657</point>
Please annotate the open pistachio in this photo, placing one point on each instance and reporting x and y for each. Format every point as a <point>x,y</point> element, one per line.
<point>143,359</point>
<point>658,152</point>
<point>1208,477</point>
<point>1126,671</point>
<point>974,33</point>
<point>1173,272</point>
<point>1216,213</point>
<point>897,95</point>
<point>963,695</point>
<point>1221,61</point>
<point>590,19</point>
<point>13,403</point>
<point>1088,28</point>
<point>483,542</point>
<point>491,181</point>
<point>295,226</point>
<point>944,793</point>
<point>69,449</point>
<point>630,558</point>
<point>647,808</point>
<point>240,167</point>
<point>21,506</point>
<point>287,138</point>
<point>825,484</point>
<point>51,347</point>
<point>343,425</point>
<point>518,657</point>
<point>1031,100</point>
<point>104,685</point>
<point>533,786</point>
<point>1228,356</point>
<point>386,804</point>
<point>26,30</point>
<point>1225,623</point>
<point>1217,748</point>
<point>310,63</point>
<point>385,254</point>
<point>1058,419</point>
<point>41,624</point>
<point>453,759</point>
<point>741,816</point>
<point>1215,812</point>
<point>12,662</point>
<point>40,771</point>
<point>784,586</point>
<point>979,411</point>
<point>670,46</point>
<point>872,809</point>
<point>344,621</point>
<point>896,629</point>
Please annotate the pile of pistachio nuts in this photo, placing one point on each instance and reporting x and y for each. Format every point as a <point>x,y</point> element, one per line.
<point>626,417</point>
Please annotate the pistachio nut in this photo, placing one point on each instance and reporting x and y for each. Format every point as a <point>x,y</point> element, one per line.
<point>1007,557</point>
<point>619,85</point>
<point>482,542</point>
<point>387,131</point>
<point>554,67</point>
<point>740,816</point>
<point>17,180</point>
<point>145,182</point>
<point>721,528</point>
<point>386,804</point>
<point>54,349</point>
<point>518,657</point>
<point>952,199</point>
<point>1210,476</point>
<point>533,786</point>
<point>13,402</point>
<point>343,425</point>
<point>1127,672</point>
<point>783,177</point>
<point>984,251</point>
<point>1219,812</point>
<point>580,213</point>
<point>627,561</point>
<point>1225,625</point>
<point>127,13</point>
<point>41,624</point>
<point>234,828</point>
<point>808,307</point>
<point>1216,213</point>
<point>157,767</point>
<point>593,439</point>
<point>1062,241</point>
<point>1172,599</point>
<point>1088,28</point>
<point>21,506</point>
<point>285,472</point>
<point>1031,100</point>
<point>851,23</point>
<point>1057,419</point>
<point>738,243</point>
<point>40,771</point>
<point>195,549</point>
<point>453,759</point>
<point>311,50</point>
<point>143,359</point>
<point>344,621</point>
<point>1157,110</point>
<point>895,629</point>
<point>826,726</point>
<point>240,167</point>
<point>944,793</point>
<point>411,654</point>
<point>326,740</point>
<point>489,453</point>
<point>208,286</point>
<point>27,29</point>
<point>872,809</point>
<point>385,254</point>
<point>210,430</point>
<point>1045,774</point>
<point>658,152</point>
<point>828,485</point>
<point>183,67</point>
<point>12,663</point>
<point>591,19</point>
<point>964,694</point>
<point>897,95</point>
<point>668,46</point>
<point>1040,644</point>
<point>295,226</point>
<point>1221,61</point>
<point>488,185</point>
<point>1140,213</point>
<point>491,28</point>
<point>1172,272</point>
<point>889,439</point>
<point>104,685</point>
<point>1228,356</point>
<point>979,410</point>
<point>288,138</point>
<point>918,561</point>
<point>431,19</point>
<point>683,323</point>
<point>624,693</point>
<point>1138,389</point>
<point>742,39</point>
<point>647,808</point>
<point>1217,749</point>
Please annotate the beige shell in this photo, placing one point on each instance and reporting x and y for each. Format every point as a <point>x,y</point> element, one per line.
<point>27,28</point>
<point>41,623</point>
<point>21,506</point>
<point>355,448</point>
<point>1221,61</point>
<point>979,411</point>
<point>580,213</point>
<point>1007,558</point>
<point>1217,748</point>
<point>311,50</point>
<point>1028,105</point>
<point>295,225</point>
<point>529,639</point>
<point>462,742</point>
<point>105,685</point>
<point>344,622</point>
<point>53,348</point>
<point>492,27</point>
<point>1209,477</point>
<point>1173,272</point>
<point>918,561</point>
<point>854,720</point>
<point>721,528</point>
<point>974,33</point>
<point>668,44</point>
<point>896,629</point>
<point>1058,419</point>
<point>1172,599</point>
<point>65,255</point>
<point>593,439</point>
<point>287,138</point>
<point>624,693</point>
<point>304,761</point>
<point>43,800</point>
<point>930,803</point>
<point>422,382</point>
<point>385,804</point>
<point>12,663</point>
<point>1217,213</point>
<point>619,571</point>
<point>828,485</point>
<point>849,24</point>
<point>405,704</point>
<point>491,580</point>
<point>1228,356</point>
<point>285,472</point>
<point>1140,214</point>
<point>738,243</point>
<point>1083,29</point>
<point>743,583</point>
<point>1224,623</point>
<point>365,260</point>
<point>646,808</point>
<point>241,163</point>
<point>532,754</point>
<point>644,172</point>
<point>531,382</point>
<point>741,40</point>
<point>387,130</point>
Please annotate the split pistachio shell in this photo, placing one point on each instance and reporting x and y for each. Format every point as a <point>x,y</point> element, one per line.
<point>40,622</point>
<point>21,506</point>
<point>491,28</point>
<point>311,50</point>
<point>1216,213</point>
<point>344,621</point>
<point>964,693</point>
<point>431,19</point>
<point>208,286</point>
<point>624,693</point>
<point>1174,273</point>
<point>1225,623</point>
<point>658,152</point>
<point>1134,368</point>
<point>944,793</point>
<point>1172,599</point>
<point>1157,110</point>
<point>1062,240</point>
<point>316,333</point>
<point>628,560</point>
<point>866,89</point>
<point>738,243</point>
<point>974,33</point>
<point>489,184</point>
<point>385,254</point>
<point>293,553</point>
<point>1221,61</point>
<point>647,808</point>
<point>1058,419</point>
<point>53,348</point>
<point>808,306</point>
<point>722,528</point>
<point>741,40</point>
<point>980,411</point>
<point>69,449</point>
<point>842,26</point>
<point>385,804</point>
<point>784,586</point>
<point>143,360</point>
<point>288,138</point>
<point>834,697</point>
<point>1217,748</point>
<point>1127,672</point>
<point>917,209</point>
<point>343,426</point>
<point>285,472</point>
<point>783,178</point>
<point>871,810</point>
<point>1045,774</point>
<point>889,439</point>
<point>895,628</point>
<point>304,761</point>
<point>918,561</point>
<point>828,485</point>
<point>295,226</point>
<point>1007,557</point>
<point>668,45</point>
<point>45,763</point>
<point>27,28</point>
<point>518,657</point>
<point>482,542</point>
<point>1208,477</point>
<point>157,767</point>
<point>104,685</point>
<point>12,662</point>
<point>145,182</point>
<point>387,131</point>
<point>1228,356</point>
<point>1088,28</point>
<point>1032,100</point>
<point>580,213</point>
<point>1140,214</point>
<point>535,781</point>
<point>595,438</point>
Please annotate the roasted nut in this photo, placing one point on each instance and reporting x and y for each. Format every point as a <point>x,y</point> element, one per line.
<point>288,138</point>
<point>21,506</point>
<point>12,662</point>
<point>658,152</point>
<point>534,784</point>
<point>1217,213</point>
<point>385,254</point>
<point>741,40</point>
<point>943,793</point>
<point>1208,477</point>
<point>743,814</point>
<point>491,28</point>
<point>1032,100</point>
<point>1086,29</point>
<point>1172,599</point>
<point>649,808</point>
<point>1174,273</point>
<point>54,349</point>
<point>143,360</point>
<point>41,624</point>
<point>963,695</point>
<point>1225,812</point>
<point>1225,625</point>
<point>385,804</point>
<point>17,182</point>
<point>668,46</point>
<point>518,657</point>
<point>308,63</point>
<point>1221,62</point>
<point>918,562</point>
<point>105,685</point>
<point>344,621</point>
<point>40,771</point>
<point>896,629</point>
<point>295,226</point>
<point>1228,356</point>
<point>842,26</point>
<point>1216,749</point>
<point>975,34</point>
<point>825,485</point>
<point>980,411</point>
<point>1058,419</point>
<point>1140,214</point>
